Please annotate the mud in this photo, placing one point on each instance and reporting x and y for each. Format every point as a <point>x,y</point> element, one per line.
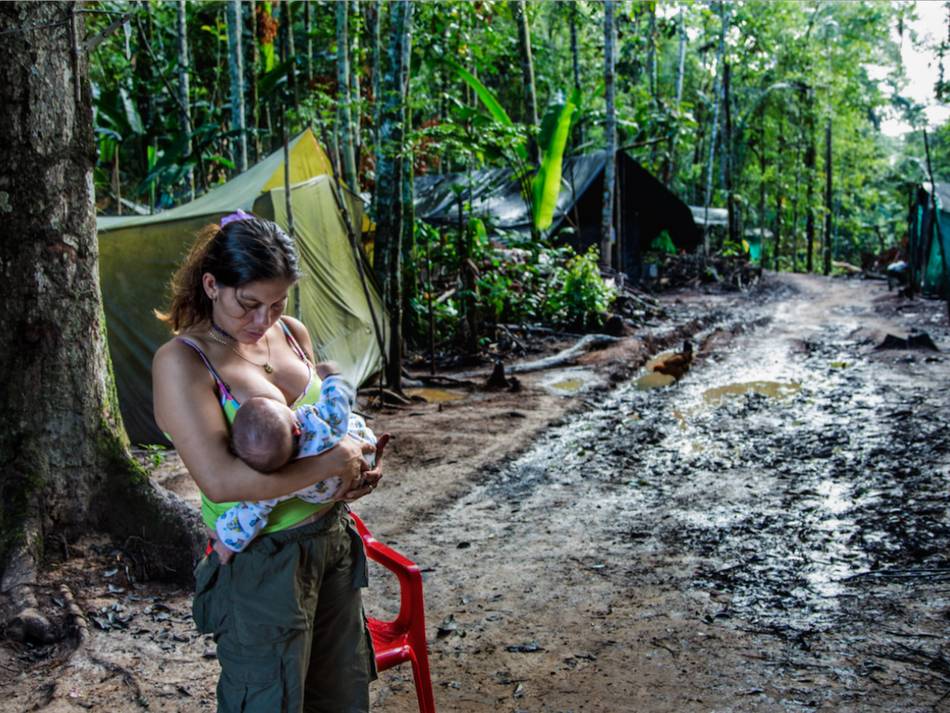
<point>767,534</point>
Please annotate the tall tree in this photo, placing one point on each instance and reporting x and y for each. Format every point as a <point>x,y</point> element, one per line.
<point>829,201</point>
<point>345,121</point>
<point>387,250</point>
<point>610,63</point>
<point>678,100</point>
<point>811,154</point>
<point>714,127</point>
<point>184,95</point>
<point>530,114</point>
<point>236,69</point>
<point>67,467</point>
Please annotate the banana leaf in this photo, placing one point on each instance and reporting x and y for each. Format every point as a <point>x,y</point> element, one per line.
<point>546,184</point>
<point>491,103</point>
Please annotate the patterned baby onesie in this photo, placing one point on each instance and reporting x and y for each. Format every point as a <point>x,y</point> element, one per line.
<point>322,425</point>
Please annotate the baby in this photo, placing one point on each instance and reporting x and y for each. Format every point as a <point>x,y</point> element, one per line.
<point>266,434</point>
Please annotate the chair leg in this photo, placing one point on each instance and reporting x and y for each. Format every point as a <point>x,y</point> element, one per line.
<point>423,681</point>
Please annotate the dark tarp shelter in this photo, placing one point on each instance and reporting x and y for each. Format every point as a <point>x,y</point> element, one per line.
<point>645,207</point>
<point>138,254</point>
<point>929,263</point>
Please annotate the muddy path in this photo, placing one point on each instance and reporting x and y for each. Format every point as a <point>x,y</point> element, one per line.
<point>767,534</point>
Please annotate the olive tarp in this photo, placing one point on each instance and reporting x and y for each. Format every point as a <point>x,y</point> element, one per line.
<point>645,207</point>
<point>138,254</point>
<point>926,229</point>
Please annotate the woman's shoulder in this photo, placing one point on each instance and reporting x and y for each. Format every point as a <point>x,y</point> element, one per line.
<point>299,332</point>
<point>178,357</point>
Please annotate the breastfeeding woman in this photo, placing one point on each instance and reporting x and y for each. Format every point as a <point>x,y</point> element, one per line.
<point>287,612</point>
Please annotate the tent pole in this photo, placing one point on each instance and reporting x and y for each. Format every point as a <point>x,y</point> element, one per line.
<point>287,202</point>
<point>936,222</point>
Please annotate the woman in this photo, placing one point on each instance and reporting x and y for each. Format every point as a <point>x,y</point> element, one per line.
<point>287,612</point>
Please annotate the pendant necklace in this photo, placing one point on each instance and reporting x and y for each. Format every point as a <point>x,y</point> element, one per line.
<point>222,337</point>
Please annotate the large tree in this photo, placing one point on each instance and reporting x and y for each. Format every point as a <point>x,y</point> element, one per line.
<point>66,463</point>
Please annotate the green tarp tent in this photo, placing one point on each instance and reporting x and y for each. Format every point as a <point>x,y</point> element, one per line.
<point>929,259</point>
<point>338,298</point>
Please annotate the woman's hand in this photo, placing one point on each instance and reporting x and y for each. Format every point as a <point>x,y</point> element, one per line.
<point>369,478</point>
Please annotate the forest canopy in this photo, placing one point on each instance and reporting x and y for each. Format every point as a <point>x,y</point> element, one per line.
<point>772,110</point>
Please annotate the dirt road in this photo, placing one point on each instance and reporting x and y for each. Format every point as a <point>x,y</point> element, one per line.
<point>768,534</point>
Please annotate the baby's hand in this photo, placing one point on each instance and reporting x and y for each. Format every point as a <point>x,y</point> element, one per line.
<point>327,368</point>
<point>224,554</point>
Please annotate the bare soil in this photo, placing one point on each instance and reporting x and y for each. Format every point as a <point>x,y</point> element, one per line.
<point>767,534</point>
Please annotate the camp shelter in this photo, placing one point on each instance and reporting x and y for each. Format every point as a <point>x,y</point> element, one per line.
<point>645,207</point>
<point>925,231</point>
<point>138,254</point>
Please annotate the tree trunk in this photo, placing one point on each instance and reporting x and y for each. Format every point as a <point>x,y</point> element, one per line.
<point>520,12</point>
<point>67,468</point>
<point>355,103</point>
<point>610,168</point>
<point>779,186</point>
<point>651,51</point>
<point>576,63</point>
<point>680,70</point>
<point>715,126</point>
<point>252,89</point>
<point>376,34</point>
<point>829,207</point>
<point>183,92</point>
<point>287,19</point>
<point>811,155</point>
<point>727,156</point>
<point>308,29</point>
<point>345,123</point>
<point>236,68</point>
<point>387,251</point>
<point>761,220</point>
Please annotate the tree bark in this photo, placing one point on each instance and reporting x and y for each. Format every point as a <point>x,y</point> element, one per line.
<point>610,168</point>
<point>236,68</point>
<point>376,34</point>
<point>67,467</point>
<point>308,29</point>
<point>345,123</point>
<point>355,103</point>
<point>727,155</point>
<point>287,19</point>
<point>811,155</point>
<point>520,12</point>
<point>779,186</point>
<point>680,71</point>
<point>387,251</point>
<point>715,125</point>
<point>829,207</point>
<point>183,90</point>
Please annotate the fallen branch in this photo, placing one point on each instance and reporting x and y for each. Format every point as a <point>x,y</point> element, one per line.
<point>562,358</point>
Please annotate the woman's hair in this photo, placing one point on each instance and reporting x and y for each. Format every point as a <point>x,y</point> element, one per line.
<point>242,251</point>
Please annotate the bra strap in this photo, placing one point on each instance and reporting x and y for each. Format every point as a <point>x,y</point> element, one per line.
<point>298,350</point>
<point>222,385</point>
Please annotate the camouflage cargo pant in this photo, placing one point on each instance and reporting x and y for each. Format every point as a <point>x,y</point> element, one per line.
<point>288,619</point>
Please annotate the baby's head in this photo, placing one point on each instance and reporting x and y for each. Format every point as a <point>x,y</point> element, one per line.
<point>262,434</point>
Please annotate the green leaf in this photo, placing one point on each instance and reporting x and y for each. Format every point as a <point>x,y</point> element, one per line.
<point>268,83</point>
<point>131,113</point>
<point>546,184</point>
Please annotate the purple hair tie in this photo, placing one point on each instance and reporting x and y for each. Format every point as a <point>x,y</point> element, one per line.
<point>234,217</point>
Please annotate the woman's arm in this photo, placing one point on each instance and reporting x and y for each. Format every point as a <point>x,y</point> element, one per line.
<point>187,409</point>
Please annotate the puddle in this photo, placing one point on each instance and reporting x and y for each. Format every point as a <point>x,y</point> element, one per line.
<point>568,382</point>
<point>568,385</point>
<point>436,395</point>
<point>654,380</point>
<point>774,389</point>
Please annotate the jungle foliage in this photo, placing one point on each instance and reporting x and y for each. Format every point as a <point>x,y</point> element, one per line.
<point>777,79</point>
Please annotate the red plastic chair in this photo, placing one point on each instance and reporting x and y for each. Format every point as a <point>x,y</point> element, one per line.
<point>404,638</point>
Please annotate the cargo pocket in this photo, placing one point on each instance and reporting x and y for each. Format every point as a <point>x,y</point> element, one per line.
<point>209,608</point>
<point>250,684</point>
<point>268,595</point>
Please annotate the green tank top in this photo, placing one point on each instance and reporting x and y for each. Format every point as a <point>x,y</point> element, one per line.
<point>289,512</point>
